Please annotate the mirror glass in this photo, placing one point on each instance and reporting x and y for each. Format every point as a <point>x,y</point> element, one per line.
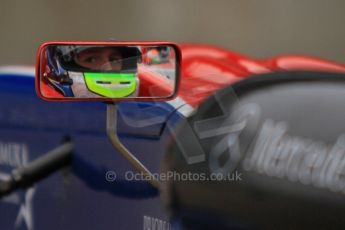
<point>107,71</point>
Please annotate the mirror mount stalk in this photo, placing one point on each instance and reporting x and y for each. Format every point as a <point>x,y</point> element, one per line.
<point>116,142</point>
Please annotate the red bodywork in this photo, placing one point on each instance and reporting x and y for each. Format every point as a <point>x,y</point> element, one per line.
<point>207,68</point>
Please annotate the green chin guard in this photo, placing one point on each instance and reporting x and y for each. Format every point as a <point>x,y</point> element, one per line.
<point>111,85</point>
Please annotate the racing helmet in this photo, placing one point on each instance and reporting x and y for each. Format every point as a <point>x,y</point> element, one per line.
<point>67,71</point>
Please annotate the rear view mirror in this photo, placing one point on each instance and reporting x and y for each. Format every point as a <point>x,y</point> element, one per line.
<point>106,71</point>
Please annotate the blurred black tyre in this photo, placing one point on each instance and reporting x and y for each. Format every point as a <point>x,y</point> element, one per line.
<point>280,139</point>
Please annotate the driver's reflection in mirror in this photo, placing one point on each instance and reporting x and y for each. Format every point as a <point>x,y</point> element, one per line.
<point>107,71</point>
<point>102,71</point>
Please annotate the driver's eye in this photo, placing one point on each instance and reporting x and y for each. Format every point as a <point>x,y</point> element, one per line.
<point>115,60</point>
<point>91,60</point>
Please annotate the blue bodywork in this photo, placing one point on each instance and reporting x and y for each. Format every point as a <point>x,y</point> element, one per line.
<point>79,197</point>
